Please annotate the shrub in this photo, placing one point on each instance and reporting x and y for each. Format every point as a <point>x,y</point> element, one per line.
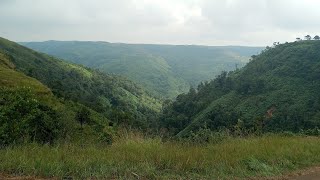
<point>205,135</point>
<point>23,118</point>
<point>107,135</point>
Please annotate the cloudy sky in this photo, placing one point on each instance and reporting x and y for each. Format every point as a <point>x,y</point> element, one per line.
<point>206,22</point>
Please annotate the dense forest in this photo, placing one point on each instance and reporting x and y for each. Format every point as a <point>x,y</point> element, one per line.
<point>276,91</point>
<point>164,70</point>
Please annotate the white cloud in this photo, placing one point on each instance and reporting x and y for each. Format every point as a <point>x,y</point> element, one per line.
<point>211,22</point>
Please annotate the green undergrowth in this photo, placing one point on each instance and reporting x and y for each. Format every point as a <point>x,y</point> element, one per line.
<point>137,157</point>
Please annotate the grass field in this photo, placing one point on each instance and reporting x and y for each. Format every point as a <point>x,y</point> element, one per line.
<point>144,158</point>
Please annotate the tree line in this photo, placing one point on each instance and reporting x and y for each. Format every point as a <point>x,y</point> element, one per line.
<point>308,37</point>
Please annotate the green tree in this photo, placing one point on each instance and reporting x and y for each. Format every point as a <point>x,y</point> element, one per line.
<point>307,37</point>
<point>83,116</point>
<point>23,118</point>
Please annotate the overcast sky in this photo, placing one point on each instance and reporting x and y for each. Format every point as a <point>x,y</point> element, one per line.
<point>206,22</point>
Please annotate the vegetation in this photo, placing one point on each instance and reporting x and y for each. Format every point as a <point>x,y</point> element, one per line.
<point>144,158</point>
<point>81,104</point>
<point>24,119</point>
<point>105,94</point>
<point>308,38</point>
<point>12,79</point>
<point>29,112</point>
<point>276,91</point>
<point>163,70</point>
<point>25,115</point>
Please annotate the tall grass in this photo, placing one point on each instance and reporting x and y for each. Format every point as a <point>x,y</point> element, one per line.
<point>144,158</point>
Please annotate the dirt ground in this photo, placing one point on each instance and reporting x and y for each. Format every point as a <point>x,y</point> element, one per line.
<point>12,177</point>
<point>306,174</point>
<point>312,173</point>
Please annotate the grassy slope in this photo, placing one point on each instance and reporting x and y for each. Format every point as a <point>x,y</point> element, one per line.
<point>13,79</point>
<point>164,70</point>
<point>153,159</point>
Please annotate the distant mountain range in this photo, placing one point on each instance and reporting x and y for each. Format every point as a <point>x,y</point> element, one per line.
<point>164,70</point>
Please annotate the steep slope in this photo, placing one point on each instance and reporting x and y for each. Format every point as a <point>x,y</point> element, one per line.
<point>276,91</point>
<point>165,70</point>
<point>12,79</point>
<point>28,109</point>
<point>119,99</point>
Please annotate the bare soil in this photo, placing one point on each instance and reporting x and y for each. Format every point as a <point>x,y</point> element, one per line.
<point>312,173</point>
<point>17,177</point>
<point>305,174</point>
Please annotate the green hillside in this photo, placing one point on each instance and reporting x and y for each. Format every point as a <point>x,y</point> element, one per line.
<point>276,91</point>
<point>165,70</point>
<point>28,109</point>
<point>116,98</point>
<point>12,79</point>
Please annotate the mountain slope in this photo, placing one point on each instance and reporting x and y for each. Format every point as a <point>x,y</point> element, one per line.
<point>165,70</point>
<point>200,63</point>
<point>28,109</point>
<point>276,91</point>
<point>118,98</point>
<point>12,79</point>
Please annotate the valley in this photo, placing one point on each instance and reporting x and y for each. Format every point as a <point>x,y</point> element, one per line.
<point>164,70</point>
<point>65,120</point>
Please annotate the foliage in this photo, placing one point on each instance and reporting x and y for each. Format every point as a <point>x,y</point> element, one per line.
<point>32,105</point>
<point>24,119</point>
<point>98,91</point>
<point>205,135</point>
<point>276,91</point>
<point>83,116</point>
<point>11,79</point>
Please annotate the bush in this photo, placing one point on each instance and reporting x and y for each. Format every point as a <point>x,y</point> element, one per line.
<point>24,119</point>
<point>311,132</point>
<point>205,135</point>
<point>107,135</point>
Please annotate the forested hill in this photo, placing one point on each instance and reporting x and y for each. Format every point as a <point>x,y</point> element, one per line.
<point>116,98</point>
<point>278,90</point>
<point>165,70</point>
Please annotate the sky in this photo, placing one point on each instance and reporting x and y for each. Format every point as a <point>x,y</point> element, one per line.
<point>202,22</point>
